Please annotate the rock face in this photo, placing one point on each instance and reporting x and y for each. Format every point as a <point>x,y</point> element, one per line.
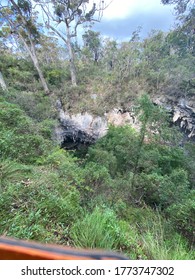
<point>182,113</point>
<point>79,129</point>
<point>184,116</point>
<point>84,129</point>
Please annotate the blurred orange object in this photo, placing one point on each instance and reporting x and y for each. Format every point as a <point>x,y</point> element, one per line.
<point>14,249</point>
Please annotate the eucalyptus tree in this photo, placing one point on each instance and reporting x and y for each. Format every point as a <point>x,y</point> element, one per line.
<point>92,43</point>
<point>110,53</point>
<point>64,17</point>
<point>19,21</point>
<point>2,82</point>
<point>181,5</point>
<point>185,31</point>
<point>153,120</point>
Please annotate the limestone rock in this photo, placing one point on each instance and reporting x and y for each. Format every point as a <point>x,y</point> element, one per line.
<point>184,116</point>
<point>84,128</point>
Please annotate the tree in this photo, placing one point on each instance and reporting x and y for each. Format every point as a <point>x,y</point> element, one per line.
<point>92,42</point>
<point>19,22</point>
<point>110,52</point>
<point>152,119</point>
<point>154,55</point>
<point>64,16</point>
<point>188,30</point>
<point>2,82</point>
<point>181,5</point>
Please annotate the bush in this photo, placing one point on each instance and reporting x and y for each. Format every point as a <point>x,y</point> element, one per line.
<point>173,188</point>
<point>11,171</point>
<point>158,245</point>
<point>20,138</point>
<point>36,105</point>
<point>102,229</point>
<point>57,76</point>
<point>98,179</point>
<point>38,204</point>
<point>162,191</point>
<point>119,147</point>
<point>182,216</point>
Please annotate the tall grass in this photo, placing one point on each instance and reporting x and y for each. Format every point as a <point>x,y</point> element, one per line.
<point>95,230</point>
<point>159,245</point>
<point>10,171</point>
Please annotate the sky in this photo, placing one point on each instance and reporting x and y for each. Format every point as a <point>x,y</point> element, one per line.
<point>122,17</point>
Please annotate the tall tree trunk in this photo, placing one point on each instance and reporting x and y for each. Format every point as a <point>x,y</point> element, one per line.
<point>67,41</point>
<point>43,81</point>
<point>35,61</point>
<point>2,82</point>
<point>71,57</point>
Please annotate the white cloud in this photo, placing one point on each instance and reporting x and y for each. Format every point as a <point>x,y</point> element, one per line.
<point>123,17</point>
<point>120,9</point>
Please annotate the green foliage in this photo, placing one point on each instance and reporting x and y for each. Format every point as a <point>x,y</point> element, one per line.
<point>36,106</point>
<point>190,161</point>
<point>19,135</point>
<point>102,229</point>
<point>132,191</point>
<point>160,177</point>
<point>158,246</point>
<point>96,230</point>
<point>10,171</point>
<point>163,190</point>
<point>146,240</point>
<point>120,143</point>
<point>174,187</point>
<point>98,179</point>
<point>182,216</point>
<point>92,43</point>
<point>56,76</point>
<point>18,72</point>
<point>37,206</point>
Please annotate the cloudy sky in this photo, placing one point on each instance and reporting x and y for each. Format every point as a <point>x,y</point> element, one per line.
<point>123,17</point>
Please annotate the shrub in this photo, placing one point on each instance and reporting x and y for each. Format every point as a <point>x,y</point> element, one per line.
<point>102,229</point>
<point>97,177</point>
<point>36,105</point>
<point>173,188</point>
<point>20,138</point>
<point>103,158</point>
<point>57,76</point>
<point>67,167</point>
<point>158,246</point>
<point>162,191</point>
<point>121,144</point>
<point>182,216</point>
<point>11,171</point>
<point>37,205</point>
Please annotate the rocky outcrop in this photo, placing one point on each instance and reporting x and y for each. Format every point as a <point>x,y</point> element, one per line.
<point>84,129</point>
<point>79,129</point>
<point>184,116</point>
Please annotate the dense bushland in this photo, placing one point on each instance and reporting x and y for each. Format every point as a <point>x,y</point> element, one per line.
<point>132,191</point>
<point>99,200</point>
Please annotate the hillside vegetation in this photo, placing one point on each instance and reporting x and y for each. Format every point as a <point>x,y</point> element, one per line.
<point>132,191</point>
